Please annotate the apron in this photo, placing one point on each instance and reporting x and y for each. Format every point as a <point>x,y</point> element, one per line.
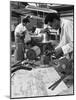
<point>19,52</point>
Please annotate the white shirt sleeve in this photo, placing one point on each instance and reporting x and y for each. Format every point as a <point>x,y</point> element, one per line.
<point>37,31</point>
<point>27,37</point>
<point>69,32</point>
<point>67,48</point>
<point>62,38</point>
<point>66,36</point>
<point>20,29</point>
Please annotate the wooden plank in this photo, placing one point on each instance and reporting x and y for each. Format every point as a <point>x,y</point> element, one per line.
<point>35,83</point>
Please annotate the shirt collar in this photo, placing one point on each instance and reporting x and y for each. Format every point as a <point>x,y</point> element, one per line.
<point>61,22</point>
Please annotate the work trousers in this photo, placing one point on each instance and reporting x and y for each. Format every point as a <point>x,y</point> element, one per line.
<point>20,48</point>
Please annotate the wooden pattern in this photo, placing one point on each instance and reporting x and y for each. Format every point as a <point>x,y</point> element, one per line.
<point>35,83</point>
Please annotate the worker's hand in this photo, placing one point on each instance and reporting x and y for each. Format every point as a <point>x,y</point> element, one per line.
<point>27,37</point>
<point>23,33</point>
<point>65,65</point>
<point>46,30</point>
<point>58,52</point>
<point>42,31</point>
<point>50,53</point>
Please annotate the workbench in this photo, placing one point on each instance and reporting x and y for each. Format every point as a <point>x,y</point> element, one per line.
<point>35,83</point>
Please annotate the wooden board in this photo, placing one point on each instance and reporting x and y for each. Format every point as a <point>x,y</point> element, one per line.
<point>35,83</point>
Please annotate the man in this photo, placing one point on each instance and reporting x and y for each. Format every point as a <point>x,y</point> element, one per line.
<point>21,36</point>
<point>65,45</point>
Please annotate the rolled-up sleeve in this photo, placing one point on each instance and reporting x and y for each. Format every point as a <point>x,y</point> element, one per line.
<point>66,42</point>
<point>20,29</point>
<point>67,48</point>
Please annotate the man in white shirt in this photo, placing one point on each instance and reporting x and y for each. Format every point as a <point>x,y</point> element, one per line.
<point>64,50</point>
<point>65,45</point>
<point>21,37</point>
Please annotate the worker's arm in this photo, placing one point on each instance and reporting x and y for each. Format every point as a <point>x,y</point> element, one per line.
<point>20,31</point>
<point>67,48</point>
<point>20,35</point>
<point>66,35</point>
<point>61,51</point>
<point>66,41</point>
<point>27,37</point>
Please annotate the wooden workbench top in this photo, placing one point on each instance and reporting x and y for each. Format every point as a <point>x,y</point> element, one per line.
<point>35,83</point>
